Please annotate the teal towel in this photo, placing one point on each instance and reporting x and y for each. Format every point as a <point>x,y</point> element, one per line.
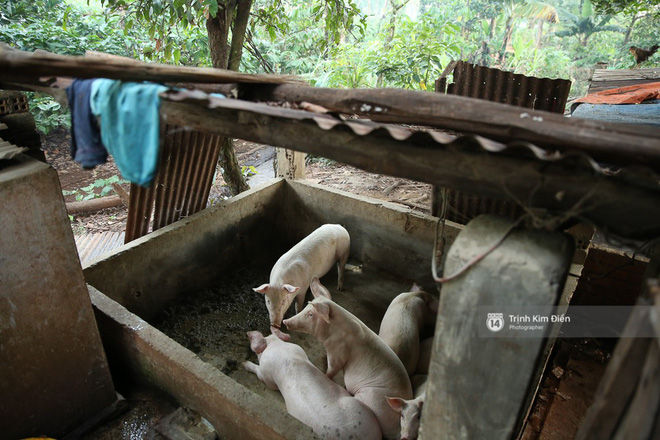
<point>130,125</point>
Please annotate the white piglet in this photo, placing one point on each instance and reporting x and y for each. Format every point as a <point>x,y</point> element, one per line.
<point>371,369</point>
<point>410,412</point>
<point>309,395</point>
<point>402,324</point>
<point>312,257</point>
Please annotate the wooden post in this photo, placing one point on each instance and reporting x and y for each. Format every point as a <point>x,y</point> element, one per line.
<point>627,403</point>
<point>290,164</point>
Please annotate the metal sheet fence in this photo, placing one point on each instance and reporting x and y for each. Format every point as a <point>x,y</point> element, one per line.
<point>181,188</point>
<point>507,87</point>
<point>499,86</point>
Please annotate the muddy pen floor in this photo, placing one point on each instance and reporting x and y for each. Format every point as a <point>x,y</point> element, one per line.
<point>213,322</point>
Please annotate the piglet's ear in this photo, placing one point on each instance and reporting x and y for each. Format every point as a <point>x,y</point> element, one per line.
<point>415,288</point>
<point>319,289</point>
<point>262,289</point>
<point>322,310</point>
<point>257,341</point>
<point>290,289</point>
<point>396,403</point>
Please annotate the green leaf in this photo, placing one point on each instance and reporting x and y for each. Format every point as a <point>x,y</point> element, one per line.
<point>213,7</point>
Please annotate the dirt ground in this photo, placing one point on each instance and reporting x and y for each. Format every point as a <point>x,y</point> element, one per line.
<point>73,177</point>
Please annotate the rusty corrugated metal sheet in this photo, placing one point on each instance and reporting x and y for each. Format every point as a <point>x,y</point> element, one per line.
<point>463,207</point>
<point>9,150</point>
<point>181,188</point>
<point>91,246</point>
<point>140,206</point>
<point>507,87</point>
<point>188,165</point>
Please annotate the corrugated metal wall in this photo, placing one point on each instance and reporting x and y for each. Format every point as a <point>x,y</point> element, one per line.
<point>181,188</point>
<point>508,88</point>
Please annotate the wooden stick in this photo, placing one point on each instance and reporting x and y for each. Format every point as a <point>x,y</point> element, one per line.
<point>123,195</point>
<point>93,205</point>
<point>16,65</point>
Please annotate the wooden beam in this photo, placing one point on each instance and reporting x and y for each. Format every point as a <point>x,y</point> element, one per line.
<point>19,66</point>
<point>616,204</point>
<point>289,164</point>
<point>616,143</point>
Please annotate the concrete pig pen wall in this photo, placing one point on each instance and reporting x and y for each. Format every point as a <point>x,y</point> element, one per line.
<point>138,280</point>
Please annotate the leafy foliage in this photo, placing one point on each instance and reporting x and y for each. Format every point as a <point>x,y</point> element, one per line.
<point>48,114</point>
<point>98,188</point>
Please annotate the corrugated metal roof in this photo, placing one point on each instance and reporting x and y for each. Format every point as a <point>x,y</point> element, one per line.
<point>91,246</point>
<point>9,150</point>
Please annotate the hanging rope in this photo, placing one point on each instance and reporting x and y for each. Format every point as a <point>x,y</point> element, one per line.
<point>438,251</point>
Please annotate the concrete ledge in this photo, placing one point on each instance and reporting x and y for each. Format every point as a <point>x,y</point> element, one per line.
<point>146,354</point>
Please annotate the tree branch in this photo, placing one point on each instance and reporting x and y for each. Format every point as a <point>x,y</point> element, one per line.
<point>238,33</point>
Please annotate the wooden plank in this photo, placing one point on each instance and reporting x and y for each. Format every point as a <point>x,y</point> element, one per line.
<point>617,386</point>
<point>607,85</point>
<point>16,65</point>
<point>290,164</point>
<point>617,143</point>
<point>639,417</point>
<point>625,74</point>
<point>605,79</point>
<point>628,374</point>
<point>619,205</point>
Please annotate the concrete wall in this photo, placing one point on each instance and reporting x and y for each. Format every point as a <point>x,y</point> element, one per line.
<point>147,273</point>
<point>384,236</point>
<point>191,252</point>
<point>53,371</point>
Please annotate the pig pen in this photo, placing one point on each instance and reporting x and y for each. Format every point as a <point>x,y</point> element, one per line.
<point>173,307</point>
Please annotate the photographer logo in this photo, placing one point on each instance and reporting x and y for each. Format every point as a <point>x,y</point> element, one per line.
<point>495,322</point>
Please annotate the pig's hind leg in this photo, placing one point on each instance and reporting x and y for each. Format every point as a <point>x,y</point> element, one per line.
<point>254,368</point>
<point>341,266</point>
<point>251,367</point>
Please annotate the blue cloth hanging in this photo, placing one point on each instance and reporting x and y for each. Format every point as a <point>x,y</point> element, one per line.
<point>86,146</point>
<point>130,125</point>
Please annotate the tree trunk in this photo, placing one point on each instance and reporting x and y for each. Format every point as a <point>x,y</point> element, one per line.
<point>218,32</point>
<point>217,29</point>
<point>539,34</point>
<point>507,34</point>
<point>390,33</point>
<point>485,50</point>
<point>238,33</point>
<point>629,30</point>
<point>231,171</point>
